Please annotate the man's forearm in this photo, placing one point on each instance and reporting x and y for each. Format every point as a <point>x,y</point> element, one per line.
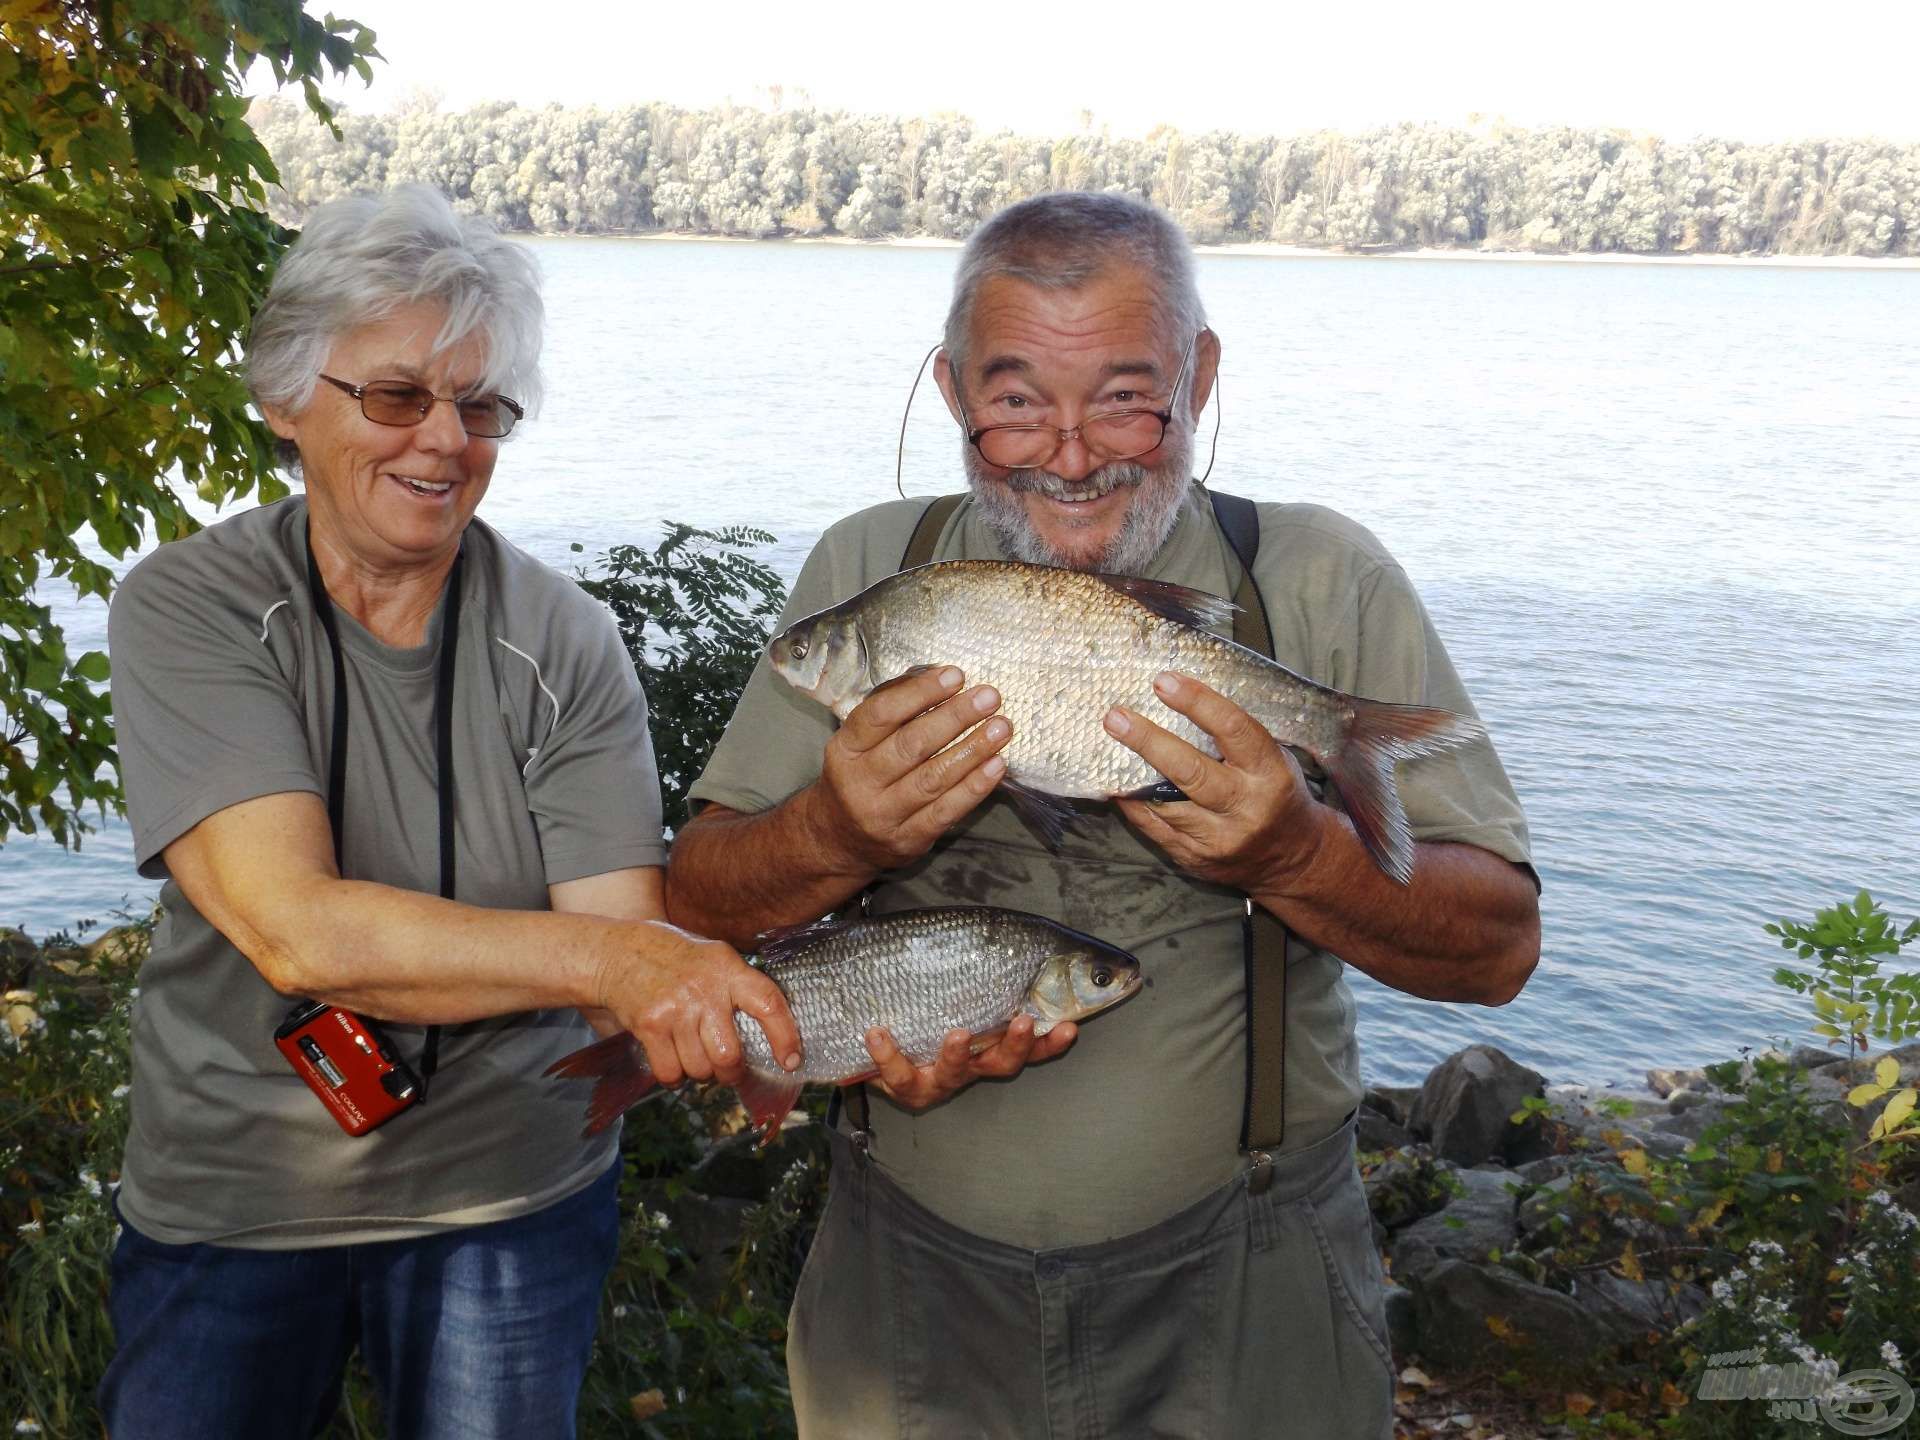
<point>1466,928</point>
<point>733,875</point>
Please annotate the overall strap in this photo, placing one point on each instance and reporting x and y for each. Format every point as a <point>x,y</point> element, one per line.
<point>1264,938</point>
<point>926,531</point>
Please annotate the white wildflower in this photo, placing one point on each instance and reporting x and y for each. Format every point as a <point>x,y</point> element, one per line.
<point>1722,1291</point>
<point>28,1426</point>
<point>49,1006</point>
<point>619,1312</point>
<point>1890,1356</point>
<point>658,1219</point>
<point>91,1182</point>
<point>32,1227</point>
<point>120,1091</point>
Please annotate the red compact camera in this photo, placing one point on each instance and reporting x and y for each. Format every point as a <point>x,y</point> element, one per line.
<point>348,1064</point>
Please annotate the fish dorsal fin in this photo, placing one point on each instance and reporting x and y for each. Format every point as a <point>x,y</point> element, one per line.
<point>786,940</point>
<point>1181,604</point>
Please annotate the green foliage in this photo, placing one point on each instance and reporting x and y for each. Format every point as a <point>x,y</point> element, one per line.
<point>1796,1220</point>
<point>63,1119</point>
<point>1852,1000</point>
<point>134,247</point>
<point>694,612</point>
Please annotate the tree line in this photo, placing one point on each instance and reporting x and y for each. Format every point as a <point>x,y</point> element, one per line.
<point>736,170</point>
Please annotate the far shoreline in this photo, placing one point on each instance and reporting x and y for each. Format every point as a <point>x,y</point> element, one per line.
<point>1271,249</point>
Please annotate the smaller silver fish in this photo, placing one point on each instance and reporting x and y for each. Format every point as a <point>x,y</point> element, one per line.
<point>917,973</point>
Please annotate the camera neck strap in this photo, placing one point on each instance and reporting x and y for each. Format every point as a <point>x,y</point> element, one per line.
<point>442,745</point>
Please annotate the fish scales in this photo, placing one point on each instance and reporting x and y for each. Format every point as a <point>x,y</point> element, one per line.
<point>919,976</point>
<point>1062,647</point>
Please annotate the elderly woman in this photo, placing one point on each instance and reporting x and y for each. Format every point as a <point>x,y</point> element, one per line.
<point>397,777</point>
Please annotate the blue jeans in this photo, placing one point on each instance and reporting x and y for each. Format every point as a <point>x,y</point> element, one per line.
<point>474,1333</point>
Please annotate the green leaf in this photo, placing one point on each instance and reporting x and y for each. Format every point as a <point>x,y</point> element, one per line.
<point>92,666</point>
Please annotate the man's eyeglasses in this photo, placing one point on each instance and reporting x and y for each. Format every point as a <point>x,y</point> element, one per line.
<point>402,403</point>
<point>1111,435</point>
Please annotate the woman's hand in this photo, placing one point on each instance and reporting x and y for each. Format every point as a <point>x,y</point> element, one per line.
<point>676,992</point>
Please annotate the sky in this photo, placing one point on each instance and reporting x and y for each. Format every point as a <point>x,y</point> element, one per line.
<point>1755,71</point>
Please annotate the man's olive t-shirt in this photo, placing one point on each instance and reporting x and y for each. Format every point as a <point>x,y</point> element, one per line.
<point>1142,1116</point>
<point>223,691</point>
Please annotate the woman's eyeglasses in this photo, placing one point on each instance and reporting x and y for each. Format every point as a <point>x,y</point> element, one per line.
<point>402,403</point>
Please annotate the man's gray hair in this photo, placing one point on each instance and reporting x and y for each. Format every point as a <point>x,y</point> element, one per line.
<point>1062,240</point>
<point>360,259</point>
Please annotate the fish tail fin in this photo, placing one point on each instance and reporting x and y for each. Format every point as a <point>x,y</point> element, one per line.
<point>1362,770</point>
<point>622,1078</point>
<point>768,1102</point>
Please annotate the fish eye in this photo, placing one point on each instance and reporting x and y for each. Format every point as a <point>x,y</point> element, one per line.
<point>797,648</point>
<point>1103,977</point>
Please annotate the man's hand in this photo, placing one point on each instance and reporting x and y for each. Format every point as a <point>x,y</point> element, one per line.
<point>675,993</point>
<point>919,1086</point>
<point>893,779</point>
<point>1249,821</point>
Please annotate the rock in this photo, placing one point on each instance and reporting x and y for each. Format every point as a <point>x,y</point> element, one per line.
<point>1467,1103</point>
<point>708,1228</point>
<point>1690,1123</point>
<point>122,948</point>
<point>1664,1082</point>
<point>1686,1099</point>
<point>1376,1132</point>
<point>1472,1224</point>
<point>17,1013</point>
<point>17,954</point>
<point>1539,1208</point>
<point>1631,1308</point>
<point>1404,1187</point>
<point>1393,1101</point>
<point>1812,1057</point>
<point>1485,1316</point>
<point>1400,1322</point>
<point>1543,1170</point>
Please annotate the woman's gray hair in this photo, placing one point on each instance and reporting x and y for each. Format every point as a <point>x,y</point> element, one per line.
<point>361,258</point>
<point>1062,240</point>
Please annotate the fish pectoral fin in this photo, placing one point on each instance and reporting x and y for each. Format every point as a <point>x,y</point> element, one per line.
<point>1181,604</point>
<point>1160,792</point>
<point>768,1102</point>
<point>1049,815</point>
<point>784,940</point>
<point>986,1040</point>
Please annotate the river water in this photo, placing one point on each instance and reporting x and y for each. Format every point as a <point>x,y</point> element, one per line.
<point>1667,519</point>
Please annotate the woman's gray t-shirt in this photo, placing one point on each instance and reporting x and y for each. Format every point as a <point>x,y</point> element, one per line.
<point>223,692</point>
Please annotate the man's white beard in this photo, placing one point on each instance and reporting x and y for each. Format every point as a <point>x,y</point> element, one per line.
<point>1151,514</point>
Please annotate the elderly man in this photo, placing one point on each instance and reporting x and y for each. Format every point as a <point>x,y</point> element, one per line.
<point>1105,1245</point>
